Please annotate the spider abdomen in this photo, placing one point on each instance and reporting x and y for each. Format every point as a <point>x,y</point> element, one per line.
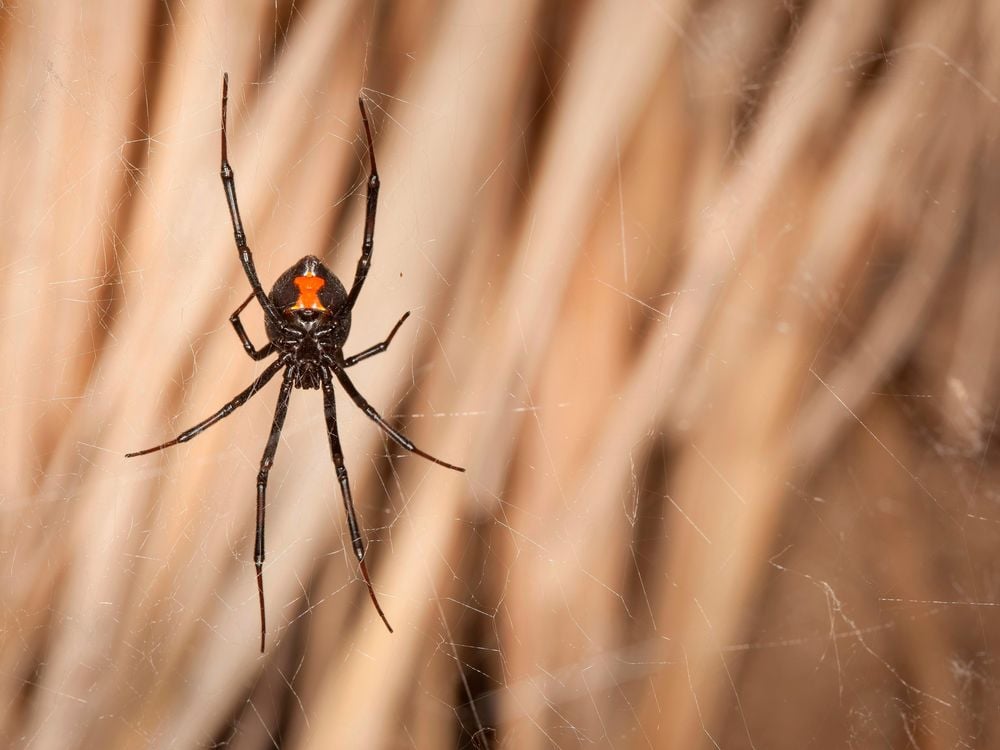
<point>312,301</point>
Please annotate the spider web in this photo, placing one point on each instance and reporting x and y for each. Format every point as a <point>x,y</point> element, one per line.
<point>702,296</point>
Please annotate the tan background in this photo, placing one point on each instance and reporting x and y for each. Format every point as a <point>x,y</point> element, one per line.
<point>704,296</point>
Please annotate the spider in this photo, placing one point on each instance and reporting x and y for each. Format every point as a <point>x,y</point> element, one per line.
<point>307,318</point>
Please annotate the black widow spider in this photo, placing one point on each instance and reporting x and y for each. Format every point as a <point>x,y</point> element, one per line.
<point>307,319</point>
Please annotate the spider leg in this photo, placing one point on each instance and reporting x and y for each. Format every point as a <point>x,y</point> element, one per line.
<point>241,398</point>
<point>397,436</point>
<point>330,412</point>
<point>229,185</point>
<point>371,351</point>
<point>253,351</point>
<point>266,461</point>
<point>364,263</point>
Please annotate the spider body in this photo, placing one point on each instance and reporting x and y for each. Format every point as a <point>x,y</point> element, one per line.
<point>315,323</point>
<point>307,318</point>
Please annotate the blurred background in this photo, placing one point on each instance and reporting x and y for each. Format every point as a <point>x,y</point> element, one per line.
<point>704,297</point>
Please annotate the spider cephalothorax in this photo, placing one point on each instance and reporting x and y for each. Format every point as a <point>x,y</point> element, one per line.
<point>307,318</point>
<point>306,369</point>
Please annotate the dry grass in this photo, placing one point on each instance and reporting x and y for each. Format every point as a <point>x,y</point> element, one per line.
<point>705,298</point>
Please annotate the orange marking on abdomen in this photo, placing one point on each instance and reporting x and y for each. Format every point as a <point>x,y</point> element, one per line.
<point>308,297</point>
